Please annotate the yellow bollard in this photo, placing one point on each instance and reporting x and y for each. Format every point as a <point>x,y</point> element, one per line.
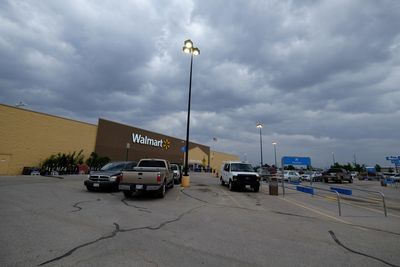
<point>185,181</point>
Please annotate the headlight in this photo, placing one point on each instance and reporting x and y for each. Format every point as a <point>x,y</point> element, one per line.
<point>115,178</point>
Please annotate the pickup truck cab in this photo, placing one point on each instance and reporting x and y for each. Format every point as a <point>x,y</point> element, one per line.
<point>150,175</point>
<point>238,175</point>
<point>109,176</point>
<point>337,175</point>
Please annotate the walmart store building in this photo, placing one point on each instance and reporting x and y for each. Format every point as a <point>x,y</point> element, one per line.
<point>28,137</point>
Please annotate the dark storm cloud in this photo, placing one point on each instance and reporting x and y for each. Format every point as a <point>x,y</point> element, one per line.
<point>322,76</point>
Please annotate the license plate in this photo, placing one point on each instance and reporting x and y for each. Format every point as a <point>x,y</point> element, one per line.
<point>96,185</point>
<point>139,186</point>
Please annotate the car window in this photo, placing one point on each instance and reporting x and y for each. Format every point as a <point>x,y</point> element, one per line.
<point>130,166</point>
<point>113,166</point>
<point>241,167</point>
<point>152,163</point>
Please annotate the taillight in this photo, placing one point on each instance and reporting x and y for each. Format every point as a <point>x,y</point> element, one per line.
<point>158,178</point>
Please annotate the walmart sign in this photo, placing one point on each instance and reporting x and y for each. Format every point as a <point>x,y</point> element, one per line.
<point>145,140</point>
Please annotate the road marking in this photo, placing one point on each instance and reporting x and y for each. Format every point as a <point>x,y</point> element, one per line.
<point>323,214</point>
<point>232,198</point>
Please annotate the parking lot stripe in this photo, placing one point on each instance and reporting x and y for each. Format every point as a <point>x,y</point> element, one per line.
<point>314,210</point>
<point>232,198</point>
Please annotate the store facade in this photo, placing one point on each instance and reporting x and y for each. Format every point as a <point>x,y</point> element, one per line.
<point>122,142</point>
<point>29,137</point>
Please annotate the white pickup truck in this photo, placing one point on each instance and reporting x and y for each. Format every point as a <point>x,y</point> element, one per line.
<point>238,175</point>
<point>149,175</point>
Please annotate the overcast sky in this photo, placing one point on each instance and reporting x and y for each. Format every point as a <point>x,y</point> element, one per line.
<point>322,77</point>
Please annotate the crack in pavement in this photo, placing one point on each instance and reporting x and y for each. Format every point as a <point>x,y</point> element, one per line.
<point>198,199</point>
<point>143,209</point>
<point>293,214</point>
<point>357,252</point>
<point>114,233</point>
<point>80,202</point>
<point>119,230</point>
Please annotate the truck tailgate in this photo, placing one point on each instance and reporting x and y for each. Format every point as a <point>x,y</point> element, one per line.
<point>141,176</point>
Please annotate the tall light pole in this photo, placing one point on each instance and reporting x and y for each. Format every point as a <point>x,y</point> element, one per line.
<point>274,143</point>
<point>189,49</point>
<point>333,158</point>
<point>128,145</point>
<point>259,126</point>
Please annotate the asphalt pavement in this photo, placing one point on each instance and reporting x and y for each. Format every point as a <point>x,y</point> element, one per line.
<point>54,221</point>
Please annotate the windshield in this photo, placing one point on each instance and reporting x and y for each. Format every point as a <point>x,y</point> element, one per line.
<point>113,166</point>
<point>241,167</point>
<point>174,167</point>
<point>152,163</point>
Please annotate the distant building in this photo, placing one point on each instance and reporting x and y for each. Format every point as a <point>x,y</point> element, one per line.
<point>28,137</point>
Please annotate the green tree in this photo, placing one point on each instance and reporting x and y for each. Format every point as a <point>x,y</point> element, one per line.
<point>378,168</point>
<point>95,162</point>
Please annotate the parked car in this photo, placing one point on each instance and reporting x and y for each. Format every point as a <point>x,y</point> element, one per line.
<point>109,176</point>
<point>291,176</point>
<point>311,175</point>
<point>238,175</point>
<point>177,173</point>
<point>263,173</point>
<point>154,175</point>
<point>337,175</point>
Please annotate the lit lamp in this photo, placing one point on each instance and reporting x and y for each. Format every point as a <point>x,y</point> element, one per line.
<point>189,49</point>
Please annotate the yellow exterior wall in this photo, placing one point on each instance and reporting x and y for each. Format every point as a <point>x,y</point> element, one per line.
<point>196,154</point>
<point>218,158</point>
<point>28,137</point>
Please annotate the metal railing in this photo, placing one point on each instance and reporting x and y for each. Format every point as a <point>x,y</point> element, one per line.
<point>321,189</point>
<point>371,191</point>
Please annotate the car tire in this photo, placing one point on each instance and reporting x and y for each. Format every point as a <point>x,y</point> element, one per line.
<point>161,191</point>
<point>222,181</point>
<point>350,181</point>
<point>256,188</point>
<point>127,194</point>
<point>230,185</point>
<point>171,185</point>
<point>326,180</point>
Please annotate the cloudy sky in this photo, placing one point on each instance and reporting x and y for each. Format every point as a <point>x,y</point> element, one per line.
<point>322,77</point>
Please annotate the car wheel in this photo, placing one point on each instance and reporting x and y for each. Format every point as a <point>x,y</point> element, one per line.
<point>127,194</point>
<point>222,181</point>
<point>350,181</point>
<point>256,188</point>
<point>230,185</point>
<point>89,188</point>
<point>161,191</point>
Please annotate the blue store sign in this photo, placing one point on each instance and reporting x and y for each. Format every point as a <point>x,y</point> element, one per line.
<point>306,161</point>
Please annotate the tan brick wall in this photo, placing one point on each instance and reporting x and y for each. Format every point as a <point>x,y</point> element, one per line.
<point>27,138</point>
<point>196,154</point>
<point>218,158</point>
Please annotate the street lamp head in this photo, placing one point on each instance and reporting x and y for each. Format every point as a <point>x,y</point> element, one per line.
<point>187,50</point>
<point>195,51</point>
<point>259,125</point>
<point>188,43</point>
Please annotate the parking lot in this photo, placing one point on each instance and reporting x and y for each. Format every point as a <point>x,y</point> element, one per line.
<point>54,221</point>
